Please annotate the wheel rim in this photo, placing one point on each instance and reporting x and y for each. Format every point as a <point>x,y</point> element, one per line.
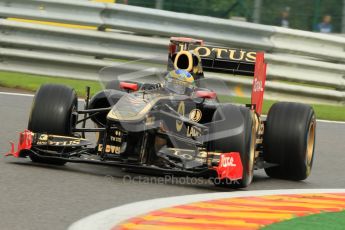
<point>252,153</point>
<point>310,146</point>
<point>73,119</point>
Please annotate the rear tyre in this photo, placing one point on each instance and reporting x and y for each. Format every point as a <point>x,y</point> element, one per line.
<point>289,140</point>
<point>239,125</point>
<point>54,112</point>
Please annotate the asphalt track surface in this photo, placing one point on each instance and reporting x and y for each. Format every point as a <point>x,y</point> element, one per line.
<point>34,196</point>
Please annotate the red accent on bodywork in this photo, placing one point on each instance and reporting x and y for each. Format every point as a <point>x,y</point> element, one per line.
<point>230,166</point>
<point>259,82</point>
<point>187,40</point>
<point>206,94</point>
<point>128,86</point>
<point>172,48</point>
<point>25,142</point>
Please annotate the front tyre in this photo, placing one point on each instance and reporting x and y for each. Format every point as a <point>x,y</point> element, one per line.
<point>53,111</point>
<point>289,140</point>
<point>237,123</point>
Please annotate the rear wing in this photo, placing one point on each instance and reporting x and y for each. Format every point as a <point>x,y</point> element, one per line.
<point>228,60</point>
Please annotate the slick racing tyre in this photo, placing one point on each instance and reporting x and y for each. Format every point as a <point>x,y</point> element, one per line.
<point>289,140</point>
<point>104,99</point>
<point>53,111</point>
<point>236,123</point>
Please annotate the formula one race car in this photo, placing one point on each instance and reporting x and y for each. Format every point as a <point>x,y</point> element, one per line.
<point>176,126</point>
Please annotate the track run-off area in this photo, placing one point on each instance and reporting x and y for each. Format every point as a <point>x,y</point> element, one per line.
<point>244,210</point>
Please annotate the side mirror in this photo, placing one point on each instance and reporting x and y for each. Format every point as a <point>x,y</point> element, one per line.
<point>129,86</point>
<point>205,94</point>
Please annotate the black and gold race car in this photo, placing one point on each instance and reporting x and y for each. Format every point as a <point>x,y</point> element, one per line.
<point>176,126</point>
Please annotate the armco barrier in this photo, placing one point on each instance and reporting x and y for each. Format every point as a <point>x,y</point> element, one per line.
<point>66,52</point>
<point>159,22</point>
<point>70,66</point>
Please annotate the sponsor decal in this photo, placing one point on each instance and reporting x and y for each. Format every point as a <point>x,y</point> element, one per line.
<point>257,87</point>
<point>202,154</point>
<point>183,155</point>
<point>259,82</point>
<point>116,139</point>
<point>230,166</point>
<point>195,115</point>
<point>180,110</point>
<point>44,139</point>
<point>193,131</point>
<point>223,53</point>
<point>110,149</point>
<point>189,156</point>
<point>64,143</point>
<point>117,133</point>
<point>228,162</point>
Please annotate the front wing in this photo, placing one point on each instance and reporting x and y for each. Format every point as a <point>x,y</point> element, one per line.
<point>229,164</point>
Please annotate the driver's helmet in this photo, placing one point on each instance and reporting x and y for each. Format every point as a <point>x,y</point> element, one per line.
<point>180,82</point>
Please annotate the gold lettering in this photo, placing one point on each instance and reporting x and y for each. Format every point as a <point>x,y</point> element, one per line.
<point>206,53</point>
<point>219,52</point>
<point>116,139</point>
<point>100,147</point>
<point>64,143</point>
<point>232,55</point>
<point>117,133</point>
<point>112,148</point>
<point>115,149</point>
<point>43,137</point>
<point>193,131</point>
<point>251,56</point>
<point>76,142</point>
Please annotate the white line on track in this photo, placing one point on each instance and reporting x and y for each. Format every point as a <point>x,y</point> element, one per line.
<point>25,95</point>
<point>109,218</point>
<point>17,94</point>
<point>334,122</point>
<point>31,95</point>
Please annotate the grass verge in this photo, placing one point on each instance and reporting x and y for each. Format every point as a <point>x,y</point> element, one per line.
<point>32,82</point>
<point>330,220</point>
<point>325,112</point>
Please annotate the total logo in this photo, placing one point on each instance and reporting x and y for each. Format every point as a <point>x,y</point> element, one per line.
<point>228,162</point>
<point>257,85</point>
